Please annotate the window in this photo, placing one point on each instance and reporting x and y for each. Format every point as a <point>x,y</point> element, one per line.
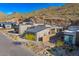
<point>49,33</point>
<point>59,30</point>
<point>0,25</point>
<point>40,39</point>
<point>52,31</point>
<point>69,39</point>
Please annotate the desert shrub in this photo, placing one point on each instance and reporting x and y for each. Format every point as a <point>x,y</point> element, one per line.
<point>30,37</point>
<point>59,43</point>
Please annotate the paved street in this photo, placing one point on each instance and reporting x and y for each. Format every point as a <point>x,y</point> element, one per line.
<point>9,49</point>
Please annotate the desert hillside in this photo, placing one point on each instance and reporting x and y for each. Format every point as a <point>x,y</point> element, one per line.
<point>61,16</point>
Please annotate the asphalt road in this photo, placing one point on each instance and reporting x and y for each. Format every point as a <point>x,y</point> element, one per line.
<point>9,49</point>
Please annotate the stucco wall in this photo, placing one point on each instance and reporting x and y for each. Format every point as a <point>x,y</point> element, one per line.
<point>43,33</point>
<point>23,28</point>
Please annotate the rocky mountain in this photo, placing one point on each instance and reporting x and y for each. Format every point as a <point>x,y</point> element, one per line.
<point>61,16</point>
<point>2,17</point>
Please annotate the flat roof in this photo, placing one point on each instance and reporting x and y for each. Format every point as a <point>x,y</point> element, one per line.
<point>7,23</point>
<point>68,31</point>
<point>36,29</point>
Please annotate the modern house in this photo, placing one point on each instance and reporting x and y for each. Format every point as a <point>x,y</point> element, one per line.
<point>1,24</point>
<point>23,28</point>
<point>28,21</point>
<point>26,24</point>
<point>38,33</point>
<point>20,28</point>
<point>57,28</point>
<point>6,24</point>
<point>56,33</point>
<point>71,36</point>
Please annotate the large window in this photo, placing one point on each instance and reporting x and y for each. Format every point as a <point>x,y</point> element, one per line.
<point>69,39</point>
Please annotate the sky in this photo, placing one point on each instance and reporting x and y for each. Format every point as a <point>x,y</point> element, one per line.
<point>9,8</point>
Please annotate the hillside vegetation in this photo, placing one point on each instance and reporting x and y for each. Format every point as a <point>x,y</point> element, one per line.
<point>62,16</point>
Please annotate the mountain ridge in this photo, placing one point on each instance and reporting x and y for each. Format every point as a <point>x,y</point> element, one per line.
<point>63,15</point>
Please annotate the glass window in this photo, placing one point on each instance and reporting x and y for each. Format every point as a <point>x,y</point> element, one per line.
<point>40,39</point>
<point>69,39</point>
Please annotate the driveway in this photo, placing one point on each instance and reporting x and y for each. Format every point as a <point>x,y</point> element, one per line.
<point>9,49</point>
